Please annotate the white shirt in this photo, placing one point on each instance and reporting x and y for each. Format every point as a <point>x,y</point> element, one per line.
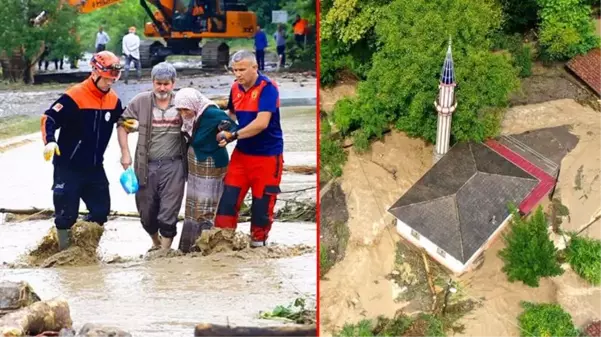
<point>102,38</point>
<point>131,45</point>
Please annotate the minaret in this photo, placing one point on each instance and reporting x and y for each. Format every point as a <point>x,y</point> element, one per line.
<point>445,105</point>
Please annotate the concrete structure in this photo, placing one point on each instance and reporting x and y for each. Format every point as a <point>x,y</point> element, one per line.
<point>445,105</point>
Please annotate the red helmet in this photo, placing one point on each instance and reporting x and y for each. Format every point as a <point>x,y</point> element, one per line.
<point>106,64</point>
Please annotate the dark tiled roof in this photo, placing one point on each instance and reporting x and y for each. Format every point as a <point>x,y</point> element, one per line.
<point>593,329</point>
<point>463,199</point>
<point>587,68</point>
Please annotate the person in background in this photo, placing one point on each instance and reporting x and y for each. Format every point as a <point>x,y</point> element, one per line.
<point>280,43</point>
<point>207,161</point>
<point>85,114</point>
<point>257,161</point>
<point>130,47</point>
<point>102,38</point>
<point>260,45</point>
<point>44,57</point>
<point>300,30</point>
<point>160,158</point>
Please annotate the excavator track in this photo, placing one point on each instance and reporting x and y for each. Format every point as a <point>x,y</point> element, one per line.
<point>215,54</point>
<point>148,49</point>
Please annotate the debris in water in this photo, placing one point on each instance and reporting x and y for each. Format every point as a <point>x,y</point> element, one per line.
<point>219,240</point>
<point>16,295</point>
<point>295,312</point>
<point>85,237</point>
<point>94,330</point>
<point>41,316</point>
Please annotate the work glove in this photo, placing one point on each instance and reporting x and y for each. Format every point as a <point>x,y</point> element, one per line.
<point>50,149</point>
<point>131,125</point>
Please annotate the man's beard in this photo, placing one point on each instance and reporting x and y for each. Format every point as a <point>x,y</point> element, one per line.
<point>164,95</point>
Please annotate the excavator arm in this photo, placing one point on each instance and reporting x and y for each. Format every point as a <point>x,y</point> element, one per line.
<point>87,6</point>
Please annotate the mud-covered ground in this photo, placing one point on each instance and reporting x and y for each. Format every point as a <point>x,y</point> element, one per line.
<point>163,295</point>
<point>358,287</point>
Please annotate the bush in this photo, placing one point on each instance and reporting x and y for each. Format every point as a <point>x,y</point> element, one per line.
<point>331,156</point>
<point>566,29</point>
<point>529,253</point>
<point>522,60</point>
<point>584,255</point>
<point>545,320</point>
<point>400,325</point>
<point>520,15</point>
<point>402,83</point>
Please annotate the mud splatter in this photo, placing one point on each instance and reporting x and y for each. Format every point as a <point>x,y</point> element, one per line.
<point>85,237</point>
<point>219,240</point>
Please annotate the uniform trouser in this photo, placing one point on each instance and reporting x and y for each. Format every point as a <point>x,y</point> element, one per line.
<point>262,174</point>
<point>70,185</point>
<point>160,199</point>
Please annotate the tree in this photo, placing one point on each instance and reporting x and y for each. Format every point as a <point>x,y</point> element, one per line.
<point>519,15</point>
<point>529,253</point>
<point>545,319</point>
<point>402,84</point>
<point>116,20</point>
<point>21,43</point>
<point>566,29</point>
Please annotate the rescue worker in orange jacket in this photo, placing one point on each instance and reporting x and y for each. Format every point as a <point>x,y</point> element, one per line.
<point>257,161</point>
<point>86,115</point>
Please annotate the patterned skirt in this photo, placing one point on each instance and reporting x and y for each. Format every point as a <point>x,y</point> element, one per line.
<point>205,186</point>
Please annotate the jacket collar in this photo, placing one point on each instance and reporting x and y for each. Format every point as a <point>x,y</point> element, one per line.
<point>91,86</point>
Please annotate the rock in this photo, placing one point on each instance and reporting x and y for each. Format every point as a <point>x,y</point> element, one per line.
<point>94,330</point>
<point>15,295</point>
<point>41,316</point>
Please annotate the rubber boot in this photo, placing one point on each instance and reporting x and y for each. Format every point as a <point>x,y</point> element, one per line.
<point>64,239</point>
<point>255,244</point>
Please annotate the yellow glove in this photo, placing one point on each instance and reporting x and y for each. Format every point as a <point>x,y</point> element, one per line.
<point>50,149</point>
<point>131,125</point>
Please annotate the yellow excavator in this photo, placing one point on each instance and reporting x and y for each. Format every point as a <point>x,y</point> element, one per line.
<point>183,24</point>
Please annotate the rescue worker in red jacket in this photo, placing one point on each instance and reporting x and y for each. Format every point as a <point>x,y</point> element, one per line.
<point>257,161</point>
<point>86,115</point>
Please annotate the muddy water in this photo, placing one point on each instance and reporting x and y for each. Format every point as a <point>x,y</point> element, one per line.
<point>152,298</point>
<point>165,296</point>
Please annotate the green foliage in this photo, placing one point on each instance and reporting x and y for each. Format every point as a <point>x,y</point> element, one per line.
<point>402,84</point>
<point>584,255</point>
<point>519,15</point>
<point>566,29</point>
<point>115,19</point>
<point>529,253</point>
<point>338,57</point>
<point>522,60</point>
<point>545,319</point>
<point>425,325</point>
<point>332,155</point>
<point>347,38</point>
<point>17,30</point>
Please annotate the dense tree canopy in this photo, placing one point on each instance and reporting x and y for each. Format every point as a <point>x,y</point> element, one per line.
<point>21,41</point>
<point>402,83</point>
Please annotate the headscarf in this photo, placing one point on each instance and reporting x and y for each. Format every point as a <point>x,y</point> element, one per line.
<point>190,98</point>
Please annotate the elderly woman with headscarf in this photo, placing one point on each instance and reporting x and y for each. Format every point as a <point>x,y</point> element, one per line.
<point>207,161</point>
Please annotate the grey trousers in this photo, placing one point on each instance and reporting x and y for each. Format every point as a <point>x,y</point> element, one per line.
<point>160,200</point>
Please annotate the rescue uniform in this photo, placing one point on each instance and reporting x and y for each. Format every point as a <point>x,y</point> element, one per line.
<point>86,117</point>
<point>256,162</point>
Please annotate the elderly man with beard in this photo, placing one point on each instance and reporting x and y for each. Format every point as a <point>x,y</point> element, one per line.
<point>160,157</point>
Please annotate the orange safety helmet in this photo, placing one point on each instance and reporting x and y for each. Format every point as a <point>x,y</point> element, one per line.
<point>106,64</point>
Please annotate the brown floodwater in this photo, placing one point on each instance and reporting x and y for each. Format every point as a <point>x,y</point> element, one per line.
<point>166,296</point>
